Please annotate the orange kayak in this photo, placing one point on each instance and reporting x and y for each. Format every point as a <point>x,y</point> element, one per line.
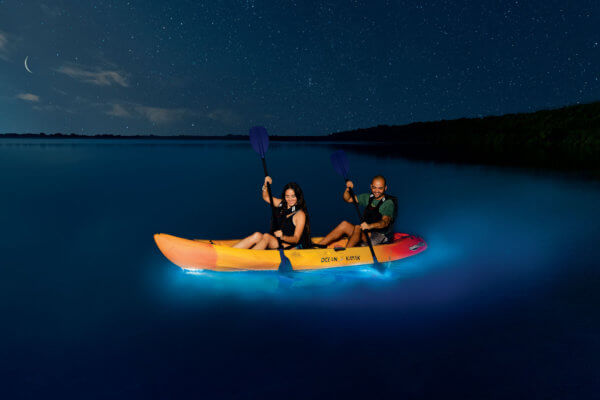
<point>218,255</point>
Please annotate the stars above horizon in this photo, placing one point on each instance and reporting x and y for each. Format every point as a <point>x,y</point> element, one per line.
<point>305,67</point>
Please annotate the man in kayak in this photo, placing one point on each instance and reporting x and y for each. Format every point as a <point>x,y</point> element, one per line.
<point>377,219</point>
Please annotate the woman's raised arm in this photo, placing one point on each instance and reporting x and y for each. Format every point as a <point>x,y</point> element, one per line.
<point>265,192</point>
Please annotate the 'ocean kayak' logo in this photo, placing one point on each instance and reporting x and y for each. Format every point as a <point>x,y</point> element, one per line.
<point>337,259</point>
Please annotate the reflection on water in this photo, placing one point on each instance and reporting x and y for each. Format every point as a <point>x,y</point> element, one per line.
<point>257,283</point>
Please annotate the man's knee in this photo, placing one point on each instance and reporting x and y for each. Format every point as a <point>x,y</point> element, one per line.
<point>345,225</point>
<point>356,230</point>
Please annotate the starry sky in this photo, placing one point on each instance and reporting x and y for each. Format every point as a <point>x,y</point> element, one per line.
<point>298,68</point>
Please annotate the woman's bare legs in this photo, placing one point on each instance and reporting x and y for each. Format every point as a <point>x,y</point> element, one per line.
<point>250,241</point>
<point>267,240</point>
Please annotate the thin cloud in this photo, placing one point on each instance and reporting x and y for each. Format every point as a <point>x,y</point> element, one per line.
<point>97,77</point>
<point>227,117</point>
<point>156,115</point>
<point>28,97</point>
<point>51,11</point>
<point>53,108</point>
<point>118,110</point>
<point>3,46</point>
<point>159,115</point>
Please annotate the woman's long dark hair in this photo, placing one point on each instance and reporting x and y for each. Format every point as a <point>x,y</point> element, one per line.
<point>300,204</point>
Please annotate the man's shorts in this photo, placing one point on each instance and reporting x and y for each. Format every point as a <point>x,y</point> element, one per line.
<point>378,238</point>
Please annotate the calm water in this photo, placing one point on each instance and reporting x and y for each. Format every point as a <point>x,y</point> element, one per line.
<point>503,304</point>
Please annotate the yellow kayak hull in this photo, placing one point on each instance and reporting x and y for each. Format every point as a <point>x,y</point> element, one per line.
<point>218,255</point>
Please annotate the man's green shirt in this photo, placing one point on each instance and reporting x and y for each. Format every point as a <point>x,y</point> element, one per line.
<point>387,208</point>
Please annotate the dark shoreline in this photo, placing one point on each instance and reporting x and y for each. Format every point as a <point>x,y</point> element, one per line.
<point>567,138</point>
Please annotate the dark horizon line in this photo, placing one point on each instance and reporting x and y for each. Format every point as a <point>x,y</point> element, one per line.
<point>334,136</point>
<point>59,135</point>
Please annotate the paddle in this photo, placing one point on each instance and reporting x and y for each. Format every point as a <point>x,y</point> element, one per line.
<point>259,139</point>
<point>342,167</point>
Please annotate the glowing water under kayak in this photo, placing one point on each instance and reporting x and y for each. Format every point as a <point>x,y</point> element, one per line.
<point>218,255</point>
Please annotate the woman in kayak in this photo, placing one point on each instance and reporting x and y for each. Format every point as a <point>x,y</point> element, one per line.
<point>292,224</point>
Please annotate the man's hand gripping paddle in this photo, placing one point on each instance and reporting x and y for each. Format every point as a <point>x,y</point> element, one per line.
<point>342,167</point>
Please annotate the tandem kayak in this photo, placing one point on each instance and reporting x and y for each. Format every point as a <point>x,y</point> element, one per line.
<point>218,255</point>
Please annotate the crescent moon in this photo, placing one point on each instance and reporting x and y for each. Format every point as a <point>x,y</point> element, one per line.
<point>26,66</point>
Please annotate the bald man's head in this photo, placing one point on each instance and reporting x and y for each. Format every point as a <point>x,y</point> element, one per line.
<point>378,186</point>
<point>379,177</point>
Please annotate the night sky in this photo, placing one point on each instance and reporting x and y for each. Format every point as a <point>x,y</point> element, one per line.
<point>298,68</point>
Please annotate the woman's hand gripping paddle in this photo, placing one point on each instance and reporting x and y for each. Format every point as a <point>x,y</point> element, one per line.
<point>342,167</point>
<point>259,139</point>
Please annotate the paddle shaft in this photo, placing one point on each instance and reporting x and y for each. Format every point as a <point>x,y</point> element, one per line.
<point>259,139</point>
<point>273,210</point>
<point>354,201</point>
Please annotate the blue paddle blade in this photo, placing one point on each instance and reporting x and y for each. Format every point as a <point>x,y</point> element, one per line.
<point>286,265</point>
<point>340,163</point>
<point>259,139</point>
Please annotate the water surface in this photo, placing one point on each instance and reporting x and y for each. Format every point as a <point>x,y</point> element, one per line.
<point>503,304</point>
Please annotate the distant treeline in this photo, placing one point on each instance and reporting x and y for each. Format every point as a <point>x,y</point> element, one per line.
<point>573,127</point>
<point>111,136</point>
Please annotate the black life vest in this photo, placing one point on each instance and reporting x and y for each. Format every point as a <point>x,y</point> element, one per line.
<point>285,223</point>
<point>372,214</point>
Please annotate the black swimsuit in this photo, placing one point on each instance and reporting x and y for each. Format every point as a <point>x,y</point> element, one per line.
<point>286,224</point>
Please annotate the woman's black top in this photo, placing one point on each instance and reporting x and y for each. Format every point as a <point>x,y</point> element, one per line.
<point>286,224</point>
